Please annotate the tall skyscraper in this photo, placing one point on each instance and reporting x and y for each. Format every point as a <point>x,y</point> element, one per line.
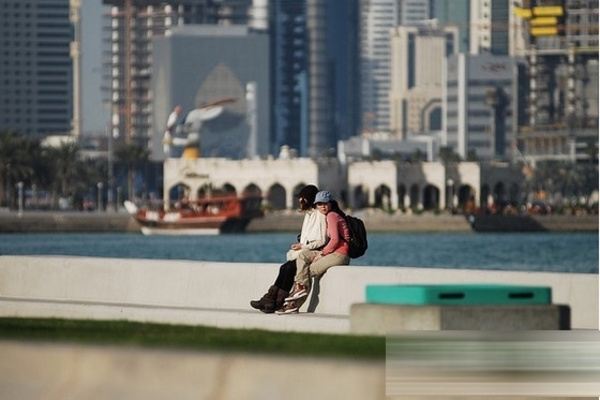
<point>454,13</point>
<point>418,54</point>
<point>377,19</point>
<point>36,67</point>
<point>559,117</point>
<point>489,27</point>
<point>290,75</point>
<point>343,29</point>
<point>477,105</point>
<point>315,91</point>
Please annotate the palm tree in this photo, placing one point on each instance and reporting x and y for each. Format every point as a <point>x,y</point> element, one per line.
<point>131,155</point>
<point>447,155</point>
<point>64,159</point>
<point>19,158</point>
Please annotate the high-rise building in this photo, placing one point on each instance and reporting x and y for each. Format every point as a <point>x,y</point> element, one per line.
<point>478,106</point>
<point>377,19</point>
<point>290,88</point>
<point>343,60</point>
<point>558,119</point>
<point>489,27</point>
<point>455,13</point>
<point>39,51</point>
<point>418,54</point>
<point>315,74</point>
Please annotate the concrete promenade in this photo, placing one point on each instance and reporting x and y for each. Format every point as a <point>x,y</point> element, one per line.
<point>213,294</point>
<point>218,294</point>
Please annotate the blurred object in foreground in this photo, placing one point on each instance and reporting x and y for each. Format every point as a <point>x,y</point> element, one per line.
<point>484,363</point>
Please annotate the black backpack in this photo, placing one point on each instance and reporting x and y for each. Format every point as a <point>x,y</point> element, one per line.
<point>358,237</point>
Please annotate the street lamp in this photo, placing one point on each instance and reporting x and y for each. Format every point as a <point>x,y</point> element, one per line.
<point>450,184</point>
<point>100,185</point>
<point>20,188</point>
<point>8,186</point>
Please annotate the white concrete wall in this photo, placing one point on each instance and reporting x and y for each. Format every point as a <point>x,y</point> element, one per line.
<point>211,293</point>
<point>57,371</point>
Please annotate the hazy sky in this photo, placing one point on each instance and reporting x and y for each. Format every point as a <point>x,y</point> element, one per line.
<point>94,115</point>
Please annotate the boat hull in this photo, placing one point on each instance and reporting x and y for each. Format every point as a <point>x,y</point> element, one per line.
<point>533,223</point>
<point>207,217</point>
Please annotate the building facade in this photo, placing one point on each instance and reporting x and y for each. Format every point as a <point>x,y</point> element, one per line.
<point>478,106</point>
<point>133,24</point>
<point>203,64</point>
<point>454,14</point>
<point>39,95</point>
<point>304,72</point>
<point>558,119</point>
<point>489,27</point>
<point>377,18</point>
<point>389,185</point>
<point>418,54</point>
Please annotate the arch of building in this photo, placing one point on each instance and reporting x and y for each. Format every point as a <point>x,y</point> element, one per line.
<point>394,185</point>
<point>389,185</point>
<point>276,180</point>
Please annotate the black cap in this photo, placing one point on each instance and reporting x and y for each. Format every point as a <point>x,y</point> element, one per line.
<point>308,192</point>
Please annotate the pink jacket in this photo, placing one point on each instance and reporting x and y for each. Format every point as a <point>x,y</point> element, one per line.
<point>338,233</point>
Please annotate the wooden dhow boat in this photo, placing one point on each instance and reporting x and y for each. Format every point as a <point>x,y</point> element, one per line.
<point>205,216</point>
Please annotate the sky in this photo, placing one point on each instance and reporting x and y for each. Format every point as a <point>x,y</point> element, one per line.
<point>94,115</point>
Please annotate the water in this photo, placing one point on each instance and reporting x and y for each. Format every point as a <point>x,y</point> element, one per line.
<point>556,252</point>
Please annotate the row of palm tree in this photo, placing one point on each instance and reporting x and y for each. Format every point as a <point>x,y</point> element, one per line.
<point>59,171</point>
<point>62,172</point>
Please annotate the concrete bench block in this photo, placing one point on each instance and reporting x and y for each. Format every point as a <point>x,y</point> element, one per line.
<point>379,319</point>
<point>462,294</point>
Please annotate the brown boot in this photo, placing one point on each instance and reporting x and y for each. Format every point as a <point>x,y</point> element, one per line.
<point>267,303</point>
<point>280,298</point>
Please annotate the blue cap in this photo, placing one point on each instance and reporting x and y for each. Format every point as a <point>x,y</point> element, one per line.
<point>323,197</point>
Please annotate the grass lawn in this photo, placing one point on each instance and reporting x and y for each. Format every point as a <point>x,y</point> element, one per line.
<point>193,337</point>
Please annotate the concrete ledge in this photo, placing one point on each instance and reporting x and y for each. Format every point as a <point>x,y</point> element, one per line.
<point>218,294</point>
<point>219,318</point>
<point>380,319</point>
<point>63,371</point>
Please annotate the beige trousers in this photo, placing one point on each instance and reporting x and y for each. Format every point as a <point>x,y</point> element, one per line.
<point>307,269</point>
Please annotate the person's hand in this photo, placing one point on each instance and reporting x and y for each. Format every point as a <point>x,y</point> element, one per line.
<point>296,246</point>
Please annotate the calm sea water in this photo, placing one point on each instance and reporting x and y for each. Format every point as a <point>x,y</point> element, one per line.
<point>557,252</point>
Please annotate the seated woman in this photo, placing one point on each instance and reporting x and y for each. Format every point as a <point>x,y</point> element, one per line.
<point>312,237</point>
<point>314,263</point>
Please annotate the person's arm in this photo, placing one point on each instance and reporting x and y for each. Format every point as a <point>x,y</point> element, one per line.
<point>333,233</point>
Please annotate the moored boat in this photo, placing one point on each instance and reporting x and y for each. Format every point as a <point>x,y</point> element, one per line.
<point>532,223</point>
<point>204,216</point>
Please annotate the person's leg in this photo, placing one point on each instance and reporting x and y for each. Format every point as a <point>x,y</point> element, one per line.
<point>273,299</point>
<point>319,267</point>
<point>266,303</point>
<point>302,278</point>
<point>303,262</point>
<point>287,272</point>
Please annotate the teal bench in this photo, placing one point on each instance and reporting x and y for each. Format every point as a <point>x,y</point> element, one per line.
<point>389,308</point>
<point>468,294</point>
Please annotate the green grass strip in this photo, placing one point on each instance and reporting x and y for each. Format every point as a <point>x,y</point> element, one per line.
<point>194,337</point>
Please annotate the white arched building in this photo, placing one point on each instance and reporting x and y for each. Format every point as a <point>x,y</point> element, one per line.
<point>390,185</point>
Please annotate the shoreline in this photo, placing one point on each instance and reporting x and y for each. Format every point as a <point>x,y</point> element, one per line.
<point>287,221</point>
